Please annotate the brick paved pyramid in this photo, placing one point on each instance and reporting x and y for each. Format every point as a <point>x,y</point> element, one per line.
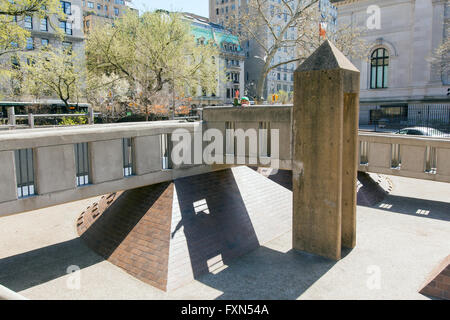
<point>438,282</point>
<point>171,233</point>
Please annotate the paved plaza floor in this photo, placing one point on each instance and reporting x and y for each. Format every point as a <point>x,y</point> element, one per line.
<point>399,242</point>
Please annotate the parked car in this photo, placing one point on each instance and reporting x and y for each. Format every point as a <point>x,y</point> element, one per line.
<point>382,123</point>
<point>423,131</point>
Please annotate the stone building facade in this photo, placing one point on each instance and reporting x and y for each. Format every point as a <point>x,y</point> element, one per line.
<point>99,12</point>
<point>230,61</point>
<point>396,74</point>
<point>43,33</point>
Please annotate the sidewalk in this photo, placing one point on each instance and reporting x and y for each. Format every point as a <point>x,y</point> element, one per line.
<point>400,241</point>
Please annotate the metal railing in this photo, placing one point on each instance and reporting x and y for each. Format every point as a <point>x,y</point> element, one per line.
<point>395,118</point>
<point>31,117</point>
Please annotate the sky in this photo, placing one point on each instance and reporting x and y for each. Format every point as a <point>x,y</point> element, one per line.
<point>199,7</point>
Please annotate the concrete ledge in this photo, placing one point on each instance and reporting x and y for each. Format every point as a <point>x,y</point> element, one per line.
<point>6,294</point>
<point>33,138</point>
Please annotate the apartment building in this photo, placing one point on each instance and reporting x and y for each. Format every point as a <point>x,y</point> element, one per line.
<point>231,60</point>
<point>99,12</point>
<point>43,32</point>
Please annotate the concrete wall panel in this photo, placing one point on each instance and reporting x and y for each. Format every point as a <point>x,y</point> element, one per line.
<point>8,189</point>
<point>380,155</point>
<point>55,168</point>
<point>413,158</point>
<point>106,160</point>
<point>147,154</point>
<point>443,162</point>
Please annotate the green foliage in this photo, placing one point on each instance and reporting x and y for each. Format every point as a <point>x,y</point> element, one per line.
<point>55,70</point>
<point>12,35</point>
<point>73,121</point>
<point>284,97</point>
<point>152,53</point>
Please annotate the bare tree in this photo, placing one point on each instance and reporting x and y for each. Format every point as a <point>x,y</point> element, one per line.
<point>291,26</point>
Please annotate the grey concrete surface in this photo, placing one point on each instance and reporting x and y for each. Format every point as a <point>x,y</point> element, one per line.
<point>8,191</point>
<point>324,158</point>
<point>55,161</point>
<point>106,160</point>
<point>399,241</point>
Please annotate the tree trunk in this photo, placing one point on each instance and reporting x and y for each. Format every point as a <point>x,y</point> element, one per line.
<point>260,86</point>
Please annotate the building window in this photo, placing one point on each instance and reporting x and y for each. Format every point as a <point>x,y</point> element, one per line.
<point>116,11</point>
<point>44,42</point>
<point>67,47</point>
<point>166,148</point>
<point>90,5</point>
<point>28,22</point>
<point>30,43</point>
<point>44,24</point>
<point>24,172</point>
<point>127,147</point>
<point>66,7</point>
<point>379,64</point>
<point>82,163</point>
<point>66,27</point>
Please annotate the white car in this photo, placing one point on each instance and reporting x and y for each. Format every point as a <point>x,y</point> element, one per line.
<point>424,131</point>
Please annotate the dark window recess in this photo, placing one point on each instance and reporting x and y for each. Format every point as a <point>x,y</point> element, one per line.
<point>82,163</point>
<point>166,148</point>
<point>127,157</point>
<point>264,139</point>
<point>379,69</point>
<point>24,172</point>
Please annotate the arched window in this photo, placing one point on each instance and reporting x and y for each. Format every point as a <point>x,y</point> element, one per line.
<point>379,66</point>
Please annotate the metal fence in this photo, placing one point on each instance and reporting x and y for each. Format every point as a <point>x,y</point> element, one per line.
<point>396,118</point>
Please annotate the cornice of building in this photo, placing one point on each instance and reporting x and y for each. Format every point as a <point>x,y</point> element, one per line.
<point>344,2</point>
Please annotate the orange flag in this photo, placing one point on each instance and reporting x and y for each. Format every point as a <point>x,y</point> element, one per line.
<point>322,31</point>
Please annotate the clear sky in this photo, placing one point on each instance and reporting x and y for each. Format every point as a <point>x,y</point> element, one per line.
<point>200,7</point>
